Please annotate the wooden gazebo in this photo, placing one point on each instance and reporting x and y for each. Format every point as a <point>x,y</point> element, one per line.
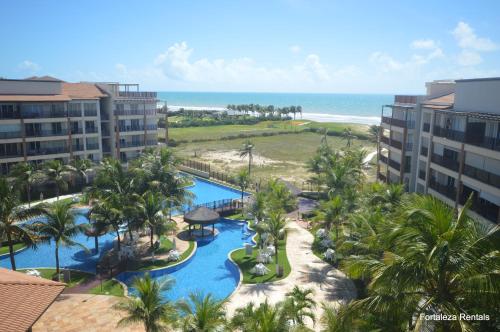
<point>201,216</point>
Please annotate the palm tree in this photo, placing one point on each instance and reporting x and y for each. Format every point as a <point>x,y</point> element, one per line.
<point>202,313</point>
<point>437,262</point>
<point>247,150</point>
<point>348,135</point>
<point>26,175</point>
<point>279,197</point>
<point>151,209</point>
<point>243,180</point>
<point>299,110</point>
<point>149,306</point>
<point>330,213</point>
<point>374,132</point>
<point>264,318</point>
<point>58,173</point>
<point>300,305</point>
<point>59,225</point>
<point>276,225</point>
<point>105,212</point>
<point>81,168</point>
<point>12,216</point>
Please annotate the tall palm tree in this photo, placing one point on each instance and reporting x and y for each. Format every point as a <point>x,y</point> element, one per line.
<point>149,306</point>
<point>202,313</point>
<point>26,175</point>
<point>299,110</point>
<point>106,212</point>
<point>438,262</point>
<point>243,180</point>
<point>12,216</point>
<point>59,226</point>
<point>374,132</point>
<point>276,226</point>
<point>81,168</point>
<point>247,151</point>
<point>330,213</point>
<point>152,211</point>
<point>348,135</point>
<point>58,173</point>
<point>299,304</point>
<point>264,318</point>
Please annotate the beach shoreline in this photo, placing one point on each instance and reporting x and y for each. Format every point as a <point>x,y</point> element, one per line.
<point>317,117</point>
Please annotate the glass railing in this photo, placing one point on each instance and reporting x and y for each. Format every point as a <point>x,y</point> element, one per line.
<point>445,162</point>
<point>482,175</point>
<point>40,151</point>
<point>45,133</point>
<point>449,133</point>
<point>427,127</point>
<point>11,154</point>
<point>491,143</point>
<point>94,146</point>
<point>421,174</point>
<point>91,130</point>
<point>43,114</point>
<point>394,164</point>
<point>10,134</point>
<point>137,94</point>
<point>446,190</point>
<point>424,151</point>
<point>77,147</point>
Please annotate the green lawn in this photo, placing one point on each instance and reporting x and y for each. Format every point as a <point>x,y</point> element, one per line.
<point>5,249</point>
<point>246,263</point>
<point>150,265</point>
<point>109,287</point>
<point>77,277</point>
<point>165,245</point>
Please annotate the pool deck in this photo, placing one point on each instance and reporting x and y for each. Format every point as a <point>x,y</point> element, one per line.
<point>308,271</point>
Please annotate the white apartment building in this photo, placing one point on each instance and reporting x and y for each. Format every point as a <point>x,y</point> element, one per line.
<point>43,118</point>
<point>446,144</point>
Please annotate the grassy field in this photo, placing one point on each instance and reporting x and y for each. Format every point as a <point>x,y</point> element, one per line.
<point>150,265</point>
<point>5,249</point>
<point>246,263</point>
<point>109,287</point>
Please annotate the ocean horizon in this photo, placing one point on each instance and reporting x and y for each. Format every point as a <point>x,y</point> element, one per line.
<point>321,107</point>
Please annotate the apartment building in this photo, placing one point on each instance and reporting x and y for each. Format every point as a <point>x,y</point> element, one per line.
<point>446,144</point>
<point>43,118</point>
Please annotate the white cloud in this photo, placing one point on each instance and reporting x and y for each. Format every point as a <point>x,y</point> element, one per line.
<point>424,44</point>
<point>30,66</point>
<point>385,61</point>
<point>295,49</point>
<point>467,38</point>
<point>469,58</point>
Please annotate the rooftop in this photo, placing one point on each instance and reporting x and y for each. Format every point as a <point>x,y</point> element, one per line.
<point>24,299</point>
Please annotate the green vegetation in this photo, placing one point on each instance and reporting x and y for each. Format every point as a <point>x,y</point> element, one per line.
<point>145,265</point>
<point>109,287</point>
<point>15,247</point>
<point>246,263</point>
<point>77,277</point>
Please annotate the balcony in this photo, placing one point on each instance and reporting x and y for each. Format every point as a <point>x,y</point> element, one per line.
<point>48,150</point>
<point>90,112</point>
<point>383,159</point>
<point>130,128</point>
<point>137,94</point>
<point>409,146</point>
<point>75,113</point>
<point>424,151</point>
<point>482,175</point>
<point>77,148</point>
<point>10,134</point>
<point>134,112</point>
<point>76,131</point>
<point>445,162</point>
<point>454,135</point>
<point>427,127</point>
<point>394,164</point>
<point>405,99</point>
<point>11,154</point>
<point>393,142</point>
<point>47,133</point>
<point>482,207</point>
<point>91,130</point>
<point>486,142</point>
<point>131,144</point>
<point>94,146</point>
<point>43,114</point>
<point>446,190</point>
<point>421,174</point>
<point>151,142</point>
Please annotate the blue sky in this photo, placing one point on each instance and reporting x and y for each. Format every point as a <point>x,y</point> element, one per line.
<point>281,45</point>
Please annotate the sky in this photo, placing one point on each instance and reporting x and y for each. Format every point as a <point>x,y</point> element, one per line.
<point>256,46</point>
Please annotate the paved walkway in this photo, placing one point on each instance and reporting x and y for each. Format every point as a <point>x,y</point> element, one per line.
<point>83,312</point>
<point>308,271</point>
<point>53,199</point>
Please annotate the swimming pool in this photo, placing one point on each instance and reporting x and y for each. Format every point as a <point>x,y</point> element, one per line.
<point>209,270</point>
<point>76,258</point>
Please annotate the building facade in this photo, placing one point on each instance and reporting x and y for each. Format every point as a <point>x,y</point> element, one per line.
<point>446,144</point>
<point>44,118</point>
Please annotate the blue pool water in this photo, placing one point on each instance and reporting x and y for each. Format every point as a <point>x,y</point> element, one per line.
<point>77,258</point>
<point>209,270</point>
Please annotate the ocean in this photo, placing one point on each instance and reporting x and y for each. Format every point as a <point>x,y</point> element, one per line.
<point>322,107</point>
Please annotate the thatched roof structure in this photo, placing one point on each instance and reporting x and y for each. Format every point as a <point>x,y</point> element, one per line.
<point>201,216</point>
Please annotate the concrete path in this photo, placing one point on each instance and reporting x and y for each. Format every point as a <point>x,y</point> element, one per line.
<point>308,271</point>
<point>53,199</point>
<point>369,157</point>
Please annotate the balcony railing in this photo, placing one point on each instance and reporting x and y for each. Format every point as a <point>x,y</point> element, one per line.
<point>491,143</point>
<point>75,113</point>
<point>43,114</point>
<point>394,164</point>
<point>131,144</point>
<point>484,208</point>
<point>91,130</point>
<point>409,146</point>
<point>91,113</point>
<point>449,133</point>
<point>77,147</point>
<point>134,112</point>
<point>94,146</point>
<point>151,142</point>
<point>10,134</point>
<point>421,174</point>
<point>11,154</point>
<point>138,128</point>
<point>427,127</point>
<point>44,151</point>
<point>424,151</point>
<point>398,122</point>
<point>445,162</point>
<point>482,175</point>
<point>446,190</point>
<point>137,94</point>
<point>405,99</point>
<point>46,133</point>
<point>383,159</point>
<point>393,142</point>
